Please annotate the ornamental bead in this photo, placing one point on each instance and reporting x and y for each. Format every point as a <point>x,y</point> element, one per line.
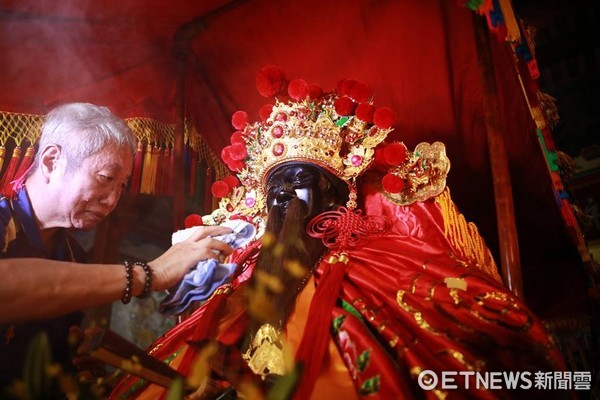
<point>277,131</point>
<point>356,160</point>
<point>278,149</point>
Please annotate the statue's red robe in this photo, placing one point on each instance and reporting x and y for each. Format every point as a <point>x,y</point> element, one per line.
<point>407,302</point>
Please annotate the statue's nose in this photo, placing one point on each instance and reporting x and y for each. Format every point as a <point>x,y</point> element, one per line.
<point>285,195</point>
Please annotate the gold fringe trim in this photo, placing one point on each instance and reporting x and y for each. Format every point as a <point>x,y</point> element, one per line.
<point>464,237</point>
<point>18,127</point>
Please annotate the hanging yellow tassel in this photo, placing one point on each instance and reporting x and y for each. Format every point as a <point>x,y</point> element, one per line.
<point>465,238</point>
<point>2,154</point>
<point>25,163</point>
<point>146,170</point>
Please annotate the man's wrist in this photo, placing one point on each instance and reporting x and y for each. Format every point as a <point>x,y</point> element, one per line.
<point>135,281</point>
<point>139,279</point>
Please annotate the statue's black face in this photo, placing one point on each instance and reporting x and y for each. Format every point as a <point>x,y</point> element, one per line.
<point>305,182</point>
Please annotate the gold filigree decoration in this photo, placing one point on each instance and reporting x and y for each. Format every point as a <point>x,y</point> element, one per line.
<point>309,131</point>
<point>242,203</point>
<point>265,354</point>
<point>496,304</point>
<point>424,173</point>
<point>417,315</point>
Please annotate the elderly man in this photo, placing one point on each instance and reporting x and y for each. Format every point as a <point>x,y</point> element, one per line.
<point>83,163</point>
<point>367,276</point>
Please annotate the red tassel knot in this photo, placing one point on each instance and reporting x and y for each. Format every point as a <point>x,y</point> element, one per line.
<point>343,228</point>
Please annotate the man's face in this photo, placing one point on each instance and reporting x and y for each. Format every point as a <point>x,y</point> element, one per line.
<point>89,193</point>
<point>304,182</point>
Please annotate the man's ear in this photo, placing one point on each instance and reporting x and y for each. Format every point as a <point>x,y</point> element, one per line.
<point>49,160</point>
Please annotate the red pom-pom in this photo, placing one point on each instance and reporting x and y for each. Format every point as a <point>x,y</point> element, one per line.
<point>392,183</point>
<point>238,151</point>
<point>225,155</point>
<point>344,106</point>
<point>364,112</point>
<point>395,153</point>
<point>270,81</point>
<point>193,220</point>
<point>338,87</point>
<point>383,117</point>
<point>220,189</point>
<point>347,86</point>
<point>361,92</point>
<point>265,111</point>
<point>315,91</point>
<point>236,137</point>
<point>236,165</point>
<point>298,89</point>
<point>239,119</point>
<point>232,181</point>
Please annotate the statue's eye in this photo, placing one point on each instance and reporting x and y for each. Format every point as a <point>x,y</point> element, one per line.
<point>303,179</point>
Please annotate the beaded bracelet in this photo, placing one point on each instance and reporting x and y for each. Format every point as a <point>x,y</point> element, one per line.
<point>148,281</point>
<point>128,283</point>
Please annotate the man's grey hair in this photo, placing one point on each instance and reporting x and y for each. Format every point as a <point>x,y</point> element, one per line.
<point>83,129</point>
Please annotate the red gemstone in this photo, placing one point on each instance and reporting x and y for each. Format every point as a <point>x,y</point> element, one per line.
<point>281,117</point>
<point>278,149</point>
<point>277,131</point>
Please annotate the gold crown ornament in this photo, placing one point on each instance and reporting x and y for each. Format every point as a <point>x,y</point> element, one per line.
<point>309,131</point>
<point>338,131</point>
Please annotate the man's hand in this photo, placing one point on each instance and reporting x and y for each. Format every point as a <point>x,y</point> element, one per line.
<point>172,265</point>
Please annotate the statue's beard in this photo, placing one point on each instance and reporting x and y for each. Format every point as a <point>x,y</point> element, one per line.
<point>289,258</point>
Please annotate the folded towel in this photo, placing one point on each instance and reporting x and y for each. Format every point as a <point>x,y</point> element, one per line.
<point>207,275</point>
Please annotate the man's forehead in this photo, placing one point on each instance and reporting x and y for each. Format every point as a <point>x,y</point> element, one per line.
<point>113,160</point>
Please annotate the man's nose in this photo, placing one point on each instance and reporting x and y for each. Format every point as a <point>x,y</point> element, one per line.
<point>111,199</point>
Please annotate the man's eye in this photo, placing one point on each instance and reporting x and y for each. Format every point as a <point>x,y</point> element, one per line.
<point>105,178</point>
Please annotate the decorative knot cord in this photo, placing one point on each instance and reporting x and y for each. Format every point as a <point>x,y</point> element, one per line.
<point>344,229</point>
